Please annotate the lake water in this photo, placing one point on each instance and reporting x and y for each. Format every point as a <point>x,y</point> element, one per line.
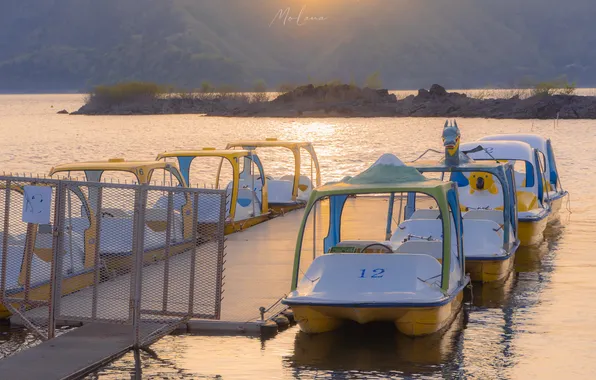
<point>539,324</point>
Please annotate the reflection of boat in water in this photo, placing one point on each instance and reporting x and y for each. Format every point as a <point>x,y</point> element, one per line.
<point>376,349</point>
<point>247,202</point>
<point>416,283</point>
<point>487,196</point>
<point>533,210</point>
<point>493,294</point>
<point>552,180</point>
<point>290,191</point>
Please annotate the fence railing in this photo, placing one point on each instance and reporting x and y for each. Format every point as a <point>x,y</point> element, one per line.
<point>109,253</point>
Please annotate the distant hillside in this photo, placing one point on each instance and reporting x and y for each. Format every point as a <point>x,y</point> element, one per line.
<point>62,45</point>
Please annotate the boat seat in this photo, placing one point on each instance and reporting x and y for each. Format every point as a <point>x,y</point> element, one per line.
<point>494,215</point>
<point>431,248</point>
<point>425,214</point>
<point>157,218</point>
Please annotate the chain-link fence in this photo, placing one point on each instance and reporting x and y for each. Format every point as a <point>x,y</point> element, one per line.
<point>130,254</point>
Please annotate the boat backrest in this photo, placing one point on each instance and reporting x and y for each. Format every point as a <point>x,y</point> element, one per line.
<point>432,248</point>
<point>494,215</point>
<point>425,214</point>
<point>482,236</point>
<point>432,228</point>
<point>279,190</point>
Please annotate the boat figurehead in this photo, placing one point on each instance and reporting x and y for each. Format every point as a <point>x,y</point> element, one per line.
<point>451,137</point>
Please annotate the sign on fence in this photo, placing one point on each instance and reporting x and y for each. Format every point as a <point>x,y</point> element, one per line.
<point>37,204</point>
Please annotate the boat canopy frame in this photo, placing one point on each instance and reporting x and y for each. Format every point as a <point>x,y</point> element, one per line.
<point>142,170</point>
<point>543,145</point>
<point>503,171</point>
<point>520,151</point>
<point>444,193</point>
<point>186,157</point>
<point>295,147</point>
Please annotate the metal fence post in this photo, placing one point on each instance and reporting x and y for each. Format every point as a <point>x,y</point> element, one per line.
<point>5,241</point>
<point>139,244</point>
<point>193,257</point>
<point>57,251</point>
<point>220,256</point>
<point>97,252</point>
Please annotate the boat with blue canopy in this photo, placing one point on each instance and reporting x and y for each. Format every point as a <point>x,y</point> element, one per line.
<point>487,196</point>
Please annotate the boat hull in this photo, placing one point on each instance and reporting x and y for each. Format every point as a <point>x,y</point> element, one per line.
<point>531,232</point>
<point>411,321</point>
<point>555,205</point>
<point>489,270</point>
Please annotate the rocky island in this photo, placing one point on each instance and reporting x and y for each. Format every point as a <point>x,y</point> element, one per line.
<point>342,100</point>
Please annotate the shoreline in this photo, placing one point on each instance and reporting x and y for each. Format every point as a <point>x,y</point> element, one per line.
<point>345,101</point>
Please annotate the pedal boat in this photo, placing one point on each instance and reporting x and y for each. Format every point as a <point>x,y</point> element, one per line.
<point>290,191</point>
<point>117,220</point>
<point>532,208</point>
<point>416,284</point>
<point>247,194</point>
<point>554,192</point>
<point>488,204</point>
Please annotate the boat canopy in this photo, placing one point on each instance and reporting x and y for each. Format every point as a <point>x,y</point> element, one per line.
<point>143,170</point>
<point>294,146</point>
<point>388,175</point>
<point>542,144</point>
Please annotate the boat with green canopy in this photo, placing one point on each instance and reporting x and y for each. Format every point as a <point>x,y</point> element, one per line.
<point>415,282</point>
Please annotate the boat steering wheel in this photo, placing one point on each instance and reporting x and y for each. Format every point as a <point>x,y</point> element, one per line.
<point>388,249</point>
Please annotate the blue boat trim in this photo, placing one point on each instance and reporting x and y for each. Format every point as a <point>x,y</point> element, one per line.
<point>544,214</point>
<point>495,258</point>
<point>559,195</point>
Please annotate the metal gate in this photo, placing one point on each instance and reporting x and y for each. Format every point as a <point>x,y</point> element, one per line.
<point>138,255</point>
